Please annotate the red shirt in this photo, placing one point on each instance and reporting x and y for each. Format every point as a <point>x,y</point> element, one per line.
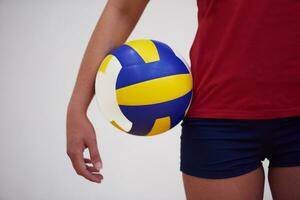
<point>245,60</point>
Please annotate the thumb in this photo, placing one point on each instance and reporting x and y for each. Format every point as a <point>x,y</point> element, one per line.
<point>94,154</point>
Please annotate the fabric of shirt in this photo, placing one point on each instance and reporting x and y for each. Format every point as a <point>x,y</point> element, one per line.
<point>245,59</point>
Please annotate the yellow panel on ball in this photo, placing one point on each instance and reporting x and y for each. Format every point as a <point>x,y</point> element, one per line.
<point>155,91</point>
<point>117,125</point>
<point>146,49</point>
<point>104,64</point>
<point>161,125</point>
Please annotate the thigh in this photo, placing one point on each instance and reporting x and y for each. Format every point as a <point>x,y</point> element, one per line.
<point>284,168</point>
<point>249,186</point>
<point>284,182</point>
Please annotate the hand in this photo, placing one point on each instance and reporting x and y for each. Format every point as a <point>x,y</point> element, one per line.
<point>81,135</point>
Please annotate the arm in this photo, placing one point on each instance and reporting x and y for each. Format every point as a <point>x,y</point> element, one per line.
<point>117,21</point>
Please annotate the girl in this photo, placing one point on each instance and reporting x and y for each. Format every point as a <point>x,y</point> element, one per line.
<point>245,62</point>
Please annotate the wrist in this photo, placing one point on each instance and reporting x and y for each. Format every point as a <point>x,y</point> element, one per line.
<point>76,109</point>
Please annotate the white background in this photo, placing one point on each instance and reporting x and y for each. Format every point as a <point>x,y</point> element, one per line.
<point>41,46</point>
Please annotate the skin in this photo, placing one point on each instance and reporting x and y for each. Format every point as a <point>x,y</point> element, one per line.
<point>284,182</point>
<point>247,187</point>
<point>114,26</point>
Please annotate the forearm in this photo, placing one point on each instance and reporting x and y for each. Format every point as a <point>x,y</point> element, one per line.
<point>112,29</point>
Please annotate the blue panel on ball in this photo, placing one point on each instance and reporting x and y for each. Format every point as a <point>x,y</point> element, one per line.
<point>127,56</point>
<point>169,64</point>
<point>143,72</point>
<point>143,117</point>
<point>165,52</point>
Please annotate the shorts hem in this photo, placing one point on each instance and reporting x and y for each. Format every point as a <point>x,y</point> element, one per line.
<point>220,174</point>
<point>296,164</point>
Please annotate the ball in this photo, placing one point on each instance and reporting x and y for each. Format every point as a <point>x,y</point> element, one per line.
<point>143,87</point>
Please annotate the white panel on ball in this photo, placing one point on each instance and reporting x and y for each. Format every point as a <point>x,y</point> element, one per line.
<point>106,94</point>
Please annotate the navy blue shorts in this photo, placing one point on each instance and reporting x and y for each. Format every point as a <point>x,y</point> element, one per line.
<point>223,148</point>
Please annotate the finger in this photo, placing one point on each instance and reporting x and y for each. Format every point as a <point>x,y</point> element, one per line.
<point>80,167</point>
<point>87,160</point>
<point>91,169</point>
<point>88,175</point>
<point>94,153</point>
<point>99,176</point>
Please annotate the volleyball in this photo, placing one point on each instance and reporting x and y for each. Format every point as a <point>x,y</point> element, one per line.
<point>143,87</point>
